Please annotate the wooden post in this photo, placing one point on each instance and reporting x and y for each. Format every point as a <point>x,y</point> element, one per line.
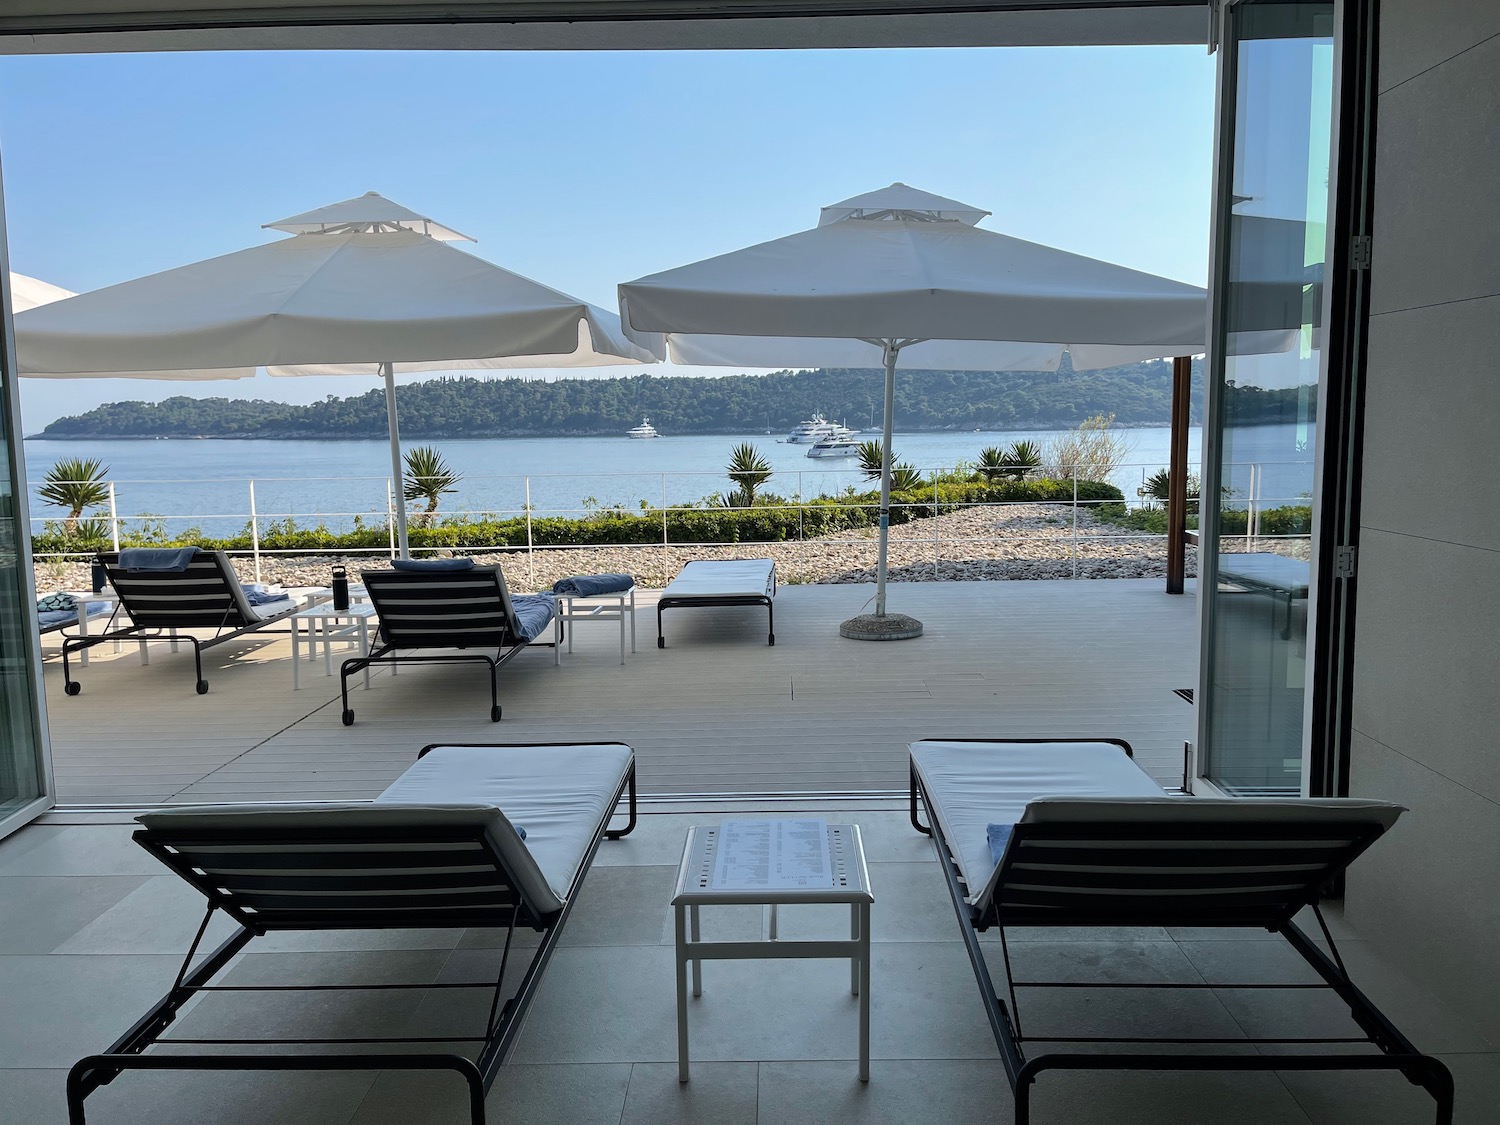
<point>1177,474</point>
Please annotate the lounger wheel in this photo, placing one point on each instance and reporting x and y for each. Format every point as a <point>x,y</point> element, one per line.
<point>201,687</point>
<point>495,714</point>
<point>72,687</point>
<point>348,717</point>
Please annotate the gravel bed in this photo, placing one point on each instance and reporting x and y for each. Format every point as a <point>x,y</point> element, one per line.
<point>1010,543</point>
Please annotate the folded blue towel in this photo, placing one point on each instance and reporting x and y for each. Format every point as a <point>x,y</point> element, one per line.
<point>174,559</point>
<point>57,602</point>
<point>533,612</point>
<point>261,597</point>
<point>998,836</point>
<point>419,565</point>
<point>587,585</point>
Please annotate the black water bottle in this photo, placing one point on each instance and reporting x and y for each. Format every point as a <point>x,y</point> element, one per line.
<point>340,587</point>
<point>98,576</point>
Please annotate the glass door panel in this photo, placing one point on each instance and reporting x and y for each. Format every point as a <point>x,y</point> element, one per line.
<point>1265,362</point>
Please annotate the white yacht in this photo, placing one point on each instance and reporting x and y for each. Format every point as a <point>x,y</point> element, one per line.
<point>644,430</point>
<point>813,430</point>
<point>840,444</point>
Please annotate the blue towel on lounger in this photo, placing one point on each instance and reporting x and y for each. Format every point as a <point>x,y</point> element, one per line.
<point>534,612</point>
<point>169,559</point>
<point>587,585</point>
<point>998,836</point>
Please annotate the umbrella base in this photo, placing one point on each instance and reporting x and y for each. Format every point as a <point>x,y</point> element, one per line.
<point>890,627</point>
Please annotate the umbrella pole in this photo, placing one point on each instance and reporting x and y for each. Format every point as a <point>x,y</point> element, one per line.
<point>388,370</point>
<point>892,350</point>
<point>880,626</point>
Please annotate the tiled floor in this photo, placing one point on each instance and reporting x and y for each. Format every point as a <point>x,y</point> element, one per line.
<point>89,928</point>
<point>716,711</point>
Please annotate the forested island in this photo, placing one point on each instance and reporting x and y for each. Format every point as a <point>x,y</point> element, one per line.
<point>468,407</point>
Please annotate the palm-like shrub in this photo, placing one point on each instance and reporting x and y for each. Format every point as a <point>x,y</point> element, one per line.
<point>1158,486</point>
<point>904,478</point>
<point>428,477</point>
<point>75,484</point>
<point>1008,464</point>
<point>747,470</point>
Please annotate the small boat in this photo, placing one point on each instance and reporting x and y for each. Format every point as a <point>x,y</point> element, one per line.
<point>644,430</point>
<point>836,445</point>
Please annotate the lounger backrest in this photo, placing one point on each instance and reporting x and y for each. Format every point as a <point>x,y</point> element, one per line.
<point>1176,861</point>
<point>206,595</point>
<point>443,609</point>
<point>353,866</point>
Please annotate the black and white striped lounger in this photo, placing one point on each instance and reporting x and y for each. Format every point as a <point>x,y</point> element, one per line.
<point>456,609</point>
<point>205,595</point>
<point>722,582</point>
<point>1094,841</point>
<point>438,849</point>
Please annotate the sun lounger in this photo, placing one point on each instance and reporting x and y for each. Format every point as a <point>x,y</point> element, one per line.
<point>1264,573</point>
<point>438,849</point>
<point>203,594</point>
<point>721,582</point>
<point>1094,841</point>
<point>451,609</point>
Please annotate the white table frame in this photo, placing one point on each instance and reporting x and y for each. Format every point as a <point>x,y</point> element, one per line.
<point>330,626</point>
<point>615,605</point>
<point>694,890</point>
<point>106,595</point>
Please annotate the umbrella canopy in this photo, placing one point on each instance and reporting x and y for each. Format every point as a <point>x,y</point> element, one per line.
<point>29,292</point>
<point>900,272</point>
<point>365,286</point>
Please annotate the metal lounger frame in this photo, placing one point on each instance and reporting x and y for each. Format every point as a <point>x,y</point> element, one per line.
<point>227,622</point>
<point>672,601</point>
<point>504,1022</point>
<point>1396,1051</point>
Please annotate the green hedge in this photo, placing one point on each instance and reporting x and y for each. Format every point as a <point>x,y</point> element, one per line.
<point>776,520</point>
<point>1292,520</point>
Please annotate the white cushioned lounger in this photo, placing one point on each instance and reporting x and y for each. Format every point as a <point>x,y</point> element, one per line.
<point>721,582</point>
<point>438,849</point>
<point>1095,842</point>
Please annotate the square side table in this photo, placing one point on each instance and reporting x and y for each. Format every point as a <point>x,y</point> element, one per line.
<point>694,889</point>
<point>616,606</point>
<point>329,626</point>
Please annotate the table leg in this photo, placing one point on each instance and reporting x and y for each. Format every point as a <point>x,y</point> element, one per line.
<point>622,630</point>
<point>697,961</point>
<point>83,631</point>
<point>172,632</point>
<point>364,646</point>
<point>296,655</point>
<point>864,991</point>
<point>632,620</point>
<point>569,604</point>
<point>329,626</point>
<point>854,936</point>
<point>557,638</point>
<point>682,985</point>
<point>771,932</point>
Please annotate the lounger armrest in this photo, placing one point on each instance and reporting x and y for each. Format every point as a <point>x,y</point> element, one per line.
<point>1232,811</point>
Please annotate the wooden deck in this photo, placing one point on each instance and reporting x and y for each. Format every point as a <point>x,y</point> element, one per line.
<point>716,712</point>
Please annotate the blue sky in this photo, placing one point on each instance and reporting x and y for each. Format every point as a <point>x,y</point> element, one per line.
<point>584,170</point>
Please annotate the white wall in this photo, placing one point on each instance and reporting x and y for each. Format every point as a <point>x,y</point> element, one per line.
<point>1427,661</point>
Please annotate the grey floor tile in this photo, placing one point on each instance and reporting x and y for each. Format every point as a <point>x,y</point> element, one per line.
<point>86,849</point>
<point>725,923</point>
<point>159,916</point>
<point>900,1092</point>
<point>1108,962</point>
<point>720,1093</point>
<point>1020,934</point>
<point>38,913</point>
<point>327,941</point>
<point>911,904</point>
<point>1162,1098</point>
<point>656,841</point>
<point>1249,962</point>
<point>888,837</point>
<point>54,1010</point>
<point>1388,1099</point>
<point>621,906</point>
<point>34,1097</point>
<point>522,1095</point>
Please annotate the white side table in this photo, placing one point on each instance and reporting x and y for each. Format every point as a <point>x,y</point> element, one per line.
<point>110,598</point>
<point>615,606</point>
<point>849,882</point>
<point>328,626</point>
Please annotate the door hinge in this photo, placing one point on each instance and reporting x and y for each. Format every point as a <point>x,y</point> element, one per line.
<point>1359,252</point>
<point>1346,562</point>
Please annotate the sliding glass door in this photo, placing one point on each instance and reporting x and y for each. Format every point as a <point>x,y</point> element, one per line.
<point>1262,439</point>
<point>24,774</point>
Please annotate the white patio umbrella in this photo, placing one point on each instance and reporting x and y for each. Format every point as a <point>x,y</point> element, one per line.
<point>365,286</point>
<point>903,274</point>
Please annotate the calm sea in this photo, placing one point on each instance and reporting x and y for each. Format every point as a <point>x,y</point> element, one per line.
<point>207,483</point>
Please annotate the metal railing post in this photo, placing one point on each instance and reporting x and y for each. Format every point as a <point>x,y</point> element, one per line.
<point>530,545</point>
<point>936,550</point>
<point>1073,540</point>
<point>1252,514</point>
<point>254,531</point>
<point>114,519</point>
<point>664,515</point>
